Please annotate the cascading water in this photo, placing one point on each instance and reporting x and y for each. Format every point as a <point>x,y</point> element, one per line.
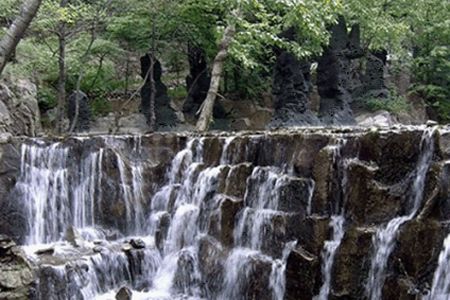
<point>384,240</point>
<point>336,223</point>
<point>440,289</point>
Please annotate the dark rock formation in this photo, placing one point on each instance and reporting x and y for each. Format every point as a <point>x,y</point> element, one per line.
<point>165,114</point>
<point>334,74</point>
<point>291,89</point>
<point>301,264</point>
<point>197,82</point>
<point>373,79</point>
<point>84,111</point>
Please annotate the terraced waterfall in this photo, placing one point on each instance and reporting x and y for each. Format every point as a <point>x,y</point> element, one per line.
<point>298,214</point>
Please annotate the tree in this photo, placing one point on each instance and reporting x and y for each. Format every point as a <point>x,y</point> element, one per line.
<point>252,27</point>
<point>16,31</point>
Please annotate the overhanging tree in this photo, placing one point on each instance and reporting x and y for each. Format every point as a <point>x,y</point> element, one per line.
<point>16,31</point>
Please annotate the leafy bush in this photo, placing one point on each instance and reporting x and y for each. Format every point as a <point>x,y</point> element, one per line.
<point>393,104</point>
<point>100,106</point>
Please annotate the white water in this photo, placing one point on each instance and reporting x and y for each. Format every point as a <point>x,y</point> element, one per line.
<point>384,239</point>
<point>440,289</point>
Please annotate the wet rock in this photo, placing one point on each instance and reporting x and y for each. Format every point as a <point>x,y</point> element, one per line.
<point>137,243</point>
<point>186,279</point>
<point>211,255</point>
<point>73,237</point>
<point>98,249</point>
<point>352,263</point>
<point>46,251</point>
<point>312,232</point>
<point>368,201</point>
<point>294,195</point>
<point>237,179</point>
<point>162,231</point>
<point>126,247</point>
<point>301,272</point>
<point>417,251</point>
<point>124,294</point>
<point>444,144</point>
<point>229,207</point>
<point>17,277</point>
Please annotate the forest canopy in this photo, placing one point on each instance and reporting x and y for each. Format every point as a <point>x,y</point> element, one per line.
<point>95,46</point>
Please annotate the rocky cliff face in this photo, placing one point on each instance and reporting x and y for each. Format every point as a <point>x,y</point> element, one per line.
<point>19,111</point>
<point>336,213</point>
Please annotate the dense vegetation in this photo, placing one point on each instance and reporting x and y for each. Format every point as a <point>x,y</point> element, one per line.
<point>94,45</point>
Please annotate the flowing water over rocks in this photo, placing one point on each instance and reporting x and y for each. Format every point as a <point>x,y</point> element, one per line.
<point>341,213</point>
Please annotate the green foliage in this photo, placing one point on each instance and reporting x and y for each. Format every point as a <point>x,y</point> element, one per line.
<point>394,104</point>
<point>100,106</point>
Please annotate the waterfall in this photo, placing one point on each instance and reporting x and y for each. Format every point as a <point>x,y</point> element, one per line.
<point>384,239</point>
<point>440,290</point>
<point>329,253</point>
<point>336,223</point>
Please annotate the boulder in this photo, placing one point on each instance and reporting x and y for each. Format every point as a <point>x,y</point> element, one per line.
<point>17,277</point>
<point>124,294</point>
<point>137,243</point>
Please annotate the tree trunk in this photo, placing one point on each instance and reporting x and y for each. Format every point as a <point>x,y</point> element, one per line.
<point>61,78</point>
<point>16,31</point>
<point>207,107</point>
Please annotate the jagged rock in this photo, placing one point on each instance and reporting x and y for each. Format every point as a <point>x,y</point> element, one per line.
<point>367,200</point>
<point>417,250</point>
<point>334,76</point>
<point>302,269</point>
<point>210,256</point>
<point>84,112</point>
<point>17,277</point>
<point>19,111</point>
<point>197,82</point>
<point>291,89</point>
<point>352,263</point>
<point>373,80</point>
<point>124,294</point>
<point>312,232</point>
<point>237,179</point>
<point>73,237</point>
<point>229,207</point>
<point>162,231</point>
<point>165,114</point>
<point>137,243</point>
